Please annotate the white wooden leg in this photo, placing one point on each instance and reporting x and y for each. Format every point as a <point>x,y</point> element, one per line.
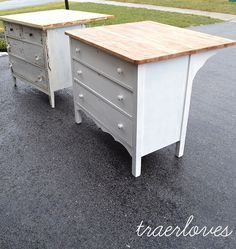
<point>78,117</point>
<point>136,165</point>
<point>52,99</point>
<point>195,63</point>
<point>179,151</point>
<point>138,125</point>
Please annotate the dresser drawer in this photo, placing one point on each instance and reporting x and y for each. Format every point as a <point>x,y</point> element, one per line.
<point>113,67</point>
<point>111,91</point>
<point>29,72</point>
<point>113,120</point>
<point>32,34</point>
<point>29,52</point>
<point>12,29</point>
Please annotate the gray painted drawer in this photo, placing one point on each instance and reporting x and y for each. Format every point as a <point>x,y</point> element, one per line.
<point>107,64</point>
<point>30,52</point>
<point>111,91</point>
<point>12,29</point>
<point>29,72</point>
<point>111,119</point>
<point>32,34</point>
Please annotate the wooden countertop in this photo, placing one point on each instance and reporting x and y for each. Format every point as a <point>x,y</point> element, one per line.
<point>148,41</point>
<point>53,18</point>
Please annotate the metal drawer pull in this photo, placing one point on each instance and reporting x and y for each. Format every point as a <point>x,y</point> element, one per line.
<point>120,126</point>
<point>77,50</point>
<point>40,78</point>
<point>79,72</point>
<point>119,70</point>
<point>120,97</point>
<point>37,57</point>
<point>81,96</point>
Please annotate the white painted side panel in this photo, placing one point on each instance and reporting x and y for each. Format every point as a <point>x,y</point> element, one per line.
<point>58,48</point>
<point>163,99</point>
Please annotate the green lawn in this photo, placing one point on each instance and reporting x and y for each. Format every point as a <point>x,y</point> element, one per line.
<point>223,6</point>
<point>122,15</point>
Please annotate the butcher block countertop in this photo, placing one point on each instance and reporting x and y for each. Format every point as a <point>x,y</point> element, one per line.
<point>53,18</point>
<point>143,42</point>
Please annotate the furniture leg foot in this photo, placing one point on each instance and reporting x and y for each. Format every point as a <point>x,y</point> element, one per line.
<point>136,166</point>
<point>78,117</point>
<point>52,99</point>
<point>14,80</point>
<point>179,149</point>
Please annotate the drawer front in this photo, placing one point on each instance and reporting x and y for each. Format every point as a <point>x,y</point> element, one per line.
<point>13,29</point>
<point>32,34</point>
<point>107,64</point>
<point>27,51</point>
<point>111,91</point>
<point>29,72</point>
<point>114,121</point>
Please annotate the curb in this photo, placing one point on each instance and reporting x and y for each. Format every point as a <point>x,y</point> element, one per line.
<point>217,15</point>
<point>3,54</point>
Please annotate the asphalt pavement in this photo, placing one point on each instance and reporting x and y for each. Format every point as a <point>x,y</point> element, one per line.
<point>65,186</point>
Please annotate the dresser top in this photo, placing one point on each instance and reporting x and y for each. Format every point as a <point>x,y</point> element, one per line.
<point>53,18</point>
<point>148,41</point>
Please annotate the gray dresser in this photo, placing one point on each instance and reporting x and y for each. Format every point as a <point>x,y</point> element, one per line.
<point>38,48</point>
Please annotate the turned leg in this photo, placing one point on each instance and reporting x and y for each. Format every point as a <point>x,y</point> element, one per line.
<point>78,117</point>
<point>136,165</point>
<point>52,99</point>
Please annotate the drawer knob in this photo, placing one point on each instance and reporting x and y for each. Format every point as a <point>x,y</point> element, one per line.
<point>79,72</point>
<point>77,50</point>
<point>37,57</point>
<point>40,78</point>
<point>81,96</point>
<point>119,70</point>
<point>120,126</point>
<point>120,97</point>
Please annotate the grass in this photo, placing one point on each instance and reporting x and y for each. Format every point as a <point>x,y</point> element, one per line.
<point>2,45</point>
<point>122,15</point>
<point>223,6</point>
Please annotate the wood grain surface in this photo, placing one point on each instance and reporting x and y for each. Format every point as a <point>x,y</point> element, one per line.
<point>53,18</point>
<point>143,42</point>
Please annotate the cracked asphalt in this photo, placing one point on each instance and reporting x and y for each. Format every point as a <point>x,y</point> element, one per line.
<point>65,186</point>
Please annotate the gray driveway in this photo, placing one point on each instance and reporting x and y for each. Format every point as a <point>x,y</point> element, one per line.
<point>66,186</point>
